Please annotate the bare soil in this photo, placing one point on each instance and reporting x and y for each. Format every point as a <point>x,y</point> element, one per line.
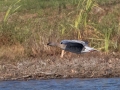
<point>89,65</point>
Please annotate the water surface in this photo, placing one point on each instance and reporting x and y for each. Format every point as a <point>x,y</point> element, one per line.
<point>63,84</point>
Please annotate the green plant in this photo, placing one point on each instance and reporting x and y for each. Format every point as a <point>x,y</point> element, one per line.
<point>81,21</point>
<point>41,20</point>
<point>107,33</point>
<point>62,29</point>
<point>12,9</point>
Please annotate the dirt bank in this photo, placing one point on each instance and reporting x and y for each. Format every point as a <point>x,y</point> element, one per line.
<point>83,66</point>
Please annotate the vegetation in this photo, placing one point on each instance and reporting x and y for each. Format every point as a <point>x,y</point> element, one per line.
<point>27,25</point>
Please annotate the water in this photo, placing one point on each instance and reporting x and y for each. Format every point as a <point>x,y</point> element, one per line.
<point>63,84</point>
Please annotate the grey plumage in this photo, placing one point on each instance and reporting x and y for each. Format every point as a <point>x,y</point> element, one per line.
<point>74,46</point>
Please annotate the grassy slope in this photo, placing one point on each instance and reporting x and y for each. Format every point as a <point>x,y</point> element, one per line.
<point>27,29</point>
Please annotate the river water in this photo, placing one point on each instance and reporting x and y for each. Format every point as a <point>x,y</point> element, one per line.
<point>63,84</point>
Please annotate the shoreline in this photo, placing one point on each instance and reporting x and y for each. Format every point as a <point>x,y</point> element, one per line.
<point>53,67</point>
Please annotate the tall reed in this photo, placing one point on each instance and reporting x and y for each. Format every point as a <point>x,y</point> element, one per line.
<point>12,9</point>
<point>81,22</point>
<point>107,33</point>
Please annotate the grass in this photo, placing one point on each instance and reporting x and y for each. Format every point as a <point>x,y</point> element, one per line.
<point>81,21</point>
<point>31,24</point>
<point>12,9</point>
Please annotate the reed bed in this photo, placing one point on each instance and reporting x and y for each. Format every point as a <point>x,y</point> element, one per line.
<point>29,25</point>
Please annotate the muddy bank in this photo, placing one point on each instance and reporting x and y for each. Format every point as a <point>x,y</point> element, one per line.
<point>82,66</point>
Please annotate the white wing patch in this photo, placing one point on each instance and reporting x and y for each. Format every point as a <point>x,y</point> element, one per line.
<point>89,48</point>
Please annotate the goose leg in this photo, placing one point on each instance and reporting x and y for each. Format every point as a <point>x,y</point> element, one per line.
<point>62,53</point>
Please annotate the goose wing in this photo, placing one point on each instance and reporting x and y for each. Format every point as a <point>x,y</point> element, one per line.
<point>74,41</point>
<point>74,46</point>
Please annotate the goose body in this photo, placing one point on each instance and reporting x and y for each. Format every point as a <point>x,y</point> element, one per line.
<point>74,46</point>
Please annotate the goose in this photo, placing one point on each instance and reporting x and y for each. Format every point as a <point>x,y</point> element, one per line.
<point>74,46</point>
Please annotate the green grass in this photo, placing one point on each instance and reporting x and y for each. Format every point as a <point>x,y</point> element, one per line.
<point>34,23</point>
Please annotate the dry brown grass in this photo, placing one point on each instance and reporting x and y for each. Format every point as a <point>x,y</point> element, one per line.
<point>11,52</point>
<point>2,14</point>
